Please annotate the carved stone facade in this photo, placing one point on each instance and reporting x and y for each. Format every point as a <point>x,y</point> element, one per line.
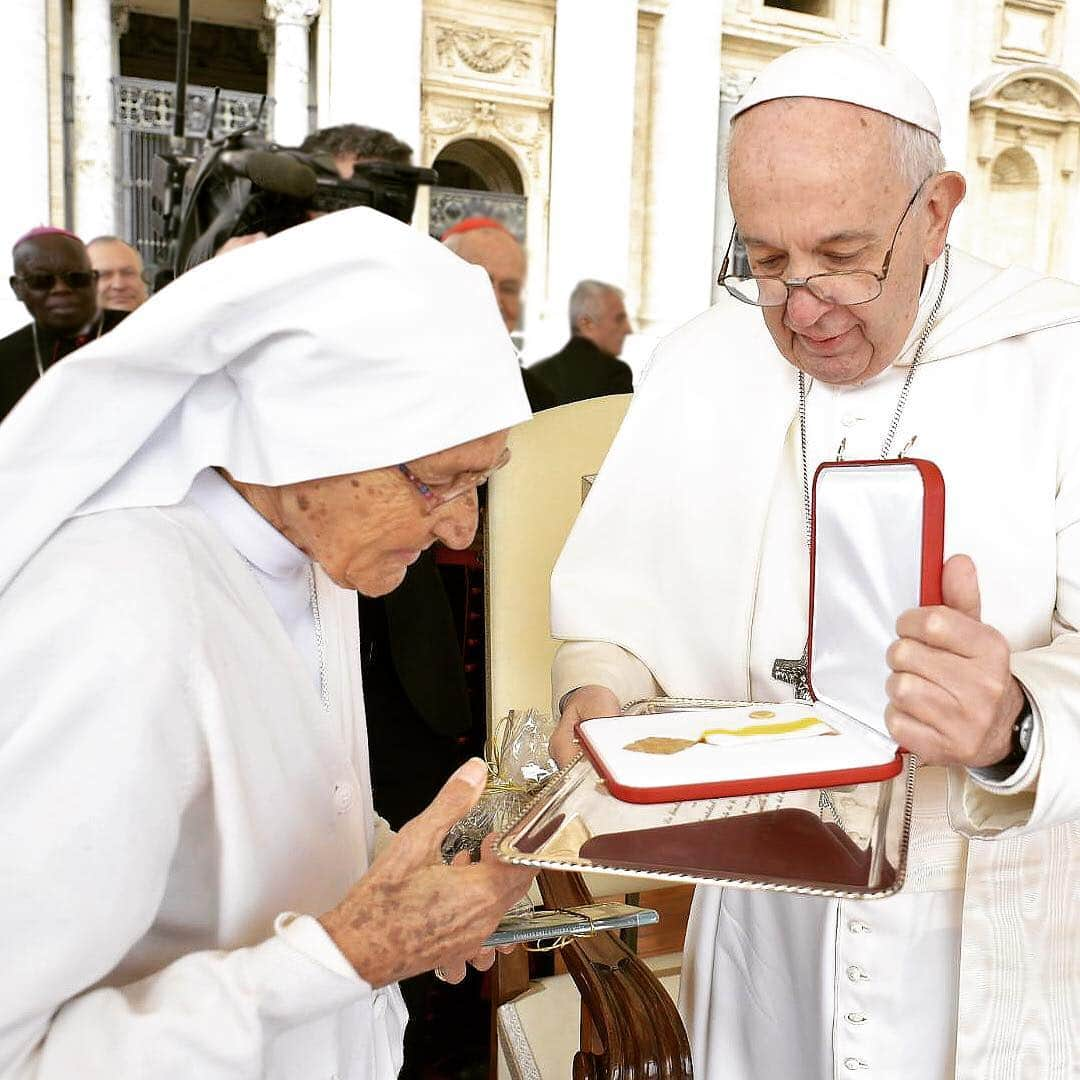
<point>290,12</point>
<point>1031,30</point>
<point>522,131</point>
<point>640,189</point>
<point>757,31</point>
<point>469,78</point>
<point>1022,166</point>
<point>480,50</point>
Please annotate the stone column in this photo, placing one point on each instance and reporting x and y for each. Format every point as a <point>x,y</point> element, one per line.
<point>732,87</point>
<point>370,71</point>
<point>94,165</point>
<point>944,61</point>
<point>683,188</point>
<point>591,153</point>
<point>1070,41</point>
<point>24,86</point>
<point>291,75</point>
<point>59,191</point>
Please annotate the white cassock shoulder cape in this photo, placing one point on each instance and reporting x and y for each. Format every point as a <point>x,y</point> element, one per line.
<point>170,790</point>
<point>664,562</point>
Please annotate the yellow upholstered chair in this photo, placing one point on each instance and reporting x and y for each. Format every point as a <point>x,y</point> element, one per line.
<point>532,503</point>
<point>628,1021</point>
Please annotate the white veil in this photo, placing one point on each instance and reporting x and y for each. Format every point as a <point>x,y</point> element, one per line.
<point>348,343</point>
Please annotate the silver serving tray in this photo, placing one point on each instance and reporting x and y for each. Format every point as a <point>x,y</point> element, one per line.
<point>849,842</point>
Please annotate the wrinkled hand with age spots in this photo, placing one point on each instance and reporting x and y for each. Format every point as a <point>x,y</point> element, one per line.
<point>585,703</point>
<point>411,912</point>
<point>952,697</point>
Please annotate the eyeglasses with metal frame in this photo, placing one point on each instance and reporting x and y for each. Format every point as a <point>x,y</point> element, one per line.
<point>845,288</point>
<point>436,495</point>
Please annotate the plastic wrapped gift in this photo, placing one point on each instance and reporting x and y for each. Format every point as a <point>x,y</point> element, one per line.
<point>518,767</point>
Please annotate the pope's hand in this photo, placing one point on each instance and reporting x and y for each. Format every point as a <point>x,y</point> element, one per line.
<point>583,704</point>
<point>952,697</point>
<point>410,912</point>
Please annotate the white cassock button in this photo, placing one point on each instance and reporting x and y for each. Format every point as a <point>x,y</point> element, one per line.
<point>857,926</point>
<point>856,973</point>
<point>343,797</point>
<point>855,1063</point>
<point>855,1018</point>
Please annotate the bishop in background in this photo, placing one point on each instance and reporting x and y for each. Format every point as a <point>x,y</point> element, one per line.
<point>686,574</point>
<point>56,283</point>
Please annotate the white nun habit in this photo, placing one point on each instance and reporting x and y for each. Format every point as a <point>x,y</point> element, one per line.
<point>183,766</point>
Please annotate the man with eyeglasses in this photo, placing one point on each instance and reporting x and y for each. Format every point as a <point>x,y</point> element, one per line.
<point>850,323</point>
<point>56,283</point>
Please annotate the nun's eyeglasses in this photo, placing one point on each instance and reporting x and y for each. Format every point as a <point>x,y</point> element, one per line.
<point>842,287</point>
<point>436,495</point>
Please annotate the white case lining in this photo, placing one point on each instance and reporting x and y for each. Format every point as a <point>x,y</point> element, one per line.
<point>868,529</point>
<point>868,570</point>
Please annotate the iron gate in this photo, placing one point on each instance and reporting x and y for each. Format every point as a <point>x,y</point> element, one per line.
<point>143,113</point>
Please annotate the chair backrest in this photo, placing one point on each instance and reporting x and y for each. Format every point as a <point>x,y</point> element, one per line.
<point>532,503</point>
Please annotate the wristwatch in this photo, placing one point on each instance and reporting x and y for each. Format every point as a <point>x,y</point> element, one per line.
<point>1022,728</point>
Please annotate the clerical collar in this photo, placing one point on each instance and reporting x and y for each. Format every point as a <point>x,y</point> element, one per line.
<point>93,329</point>
<point>245,528</point>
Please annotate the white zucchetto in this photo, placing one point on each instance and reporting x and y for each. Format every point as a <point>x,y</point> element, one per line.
<point>866,75</point>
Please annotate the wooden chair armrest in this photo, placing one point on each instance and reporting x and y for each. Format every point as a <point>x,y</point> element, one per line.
<point>630,1026</point>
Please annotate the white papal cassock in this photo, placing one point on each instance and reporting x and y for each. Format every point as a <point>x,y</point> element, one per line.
<point>183,762</point>
<point>690,556</point>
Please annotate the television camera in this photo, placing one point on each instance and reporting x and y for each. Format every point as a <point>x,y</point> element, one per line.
<point>243,183</point>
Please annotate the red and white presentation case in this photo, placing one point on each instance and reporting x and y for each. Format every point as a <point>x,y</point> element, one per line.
<point>876,549</point>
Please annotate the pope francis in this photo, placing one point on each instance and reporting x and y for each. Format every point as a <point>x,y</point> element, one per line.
<point>193,881</point>
<point>850,321</point>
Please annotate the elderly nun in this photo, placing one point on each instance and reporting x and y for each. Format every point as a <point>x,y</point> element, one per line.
<point>191,882</point>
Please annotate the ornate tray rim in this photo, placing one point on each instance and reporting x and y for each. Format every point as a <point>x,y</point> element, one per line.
<point>506,850</point>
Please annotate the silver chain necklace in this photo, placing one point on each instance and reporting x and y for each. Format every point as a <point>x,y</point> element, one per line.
<point>320,640</point>
<point>316,619</point>
<point>796,672</point>
<point>901,400</point>
<point>37,350</point>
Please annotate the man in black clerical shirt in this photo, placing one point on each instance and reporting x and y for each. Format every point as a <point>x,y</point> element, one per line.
<point>54,280</point>
<point>587,366</point>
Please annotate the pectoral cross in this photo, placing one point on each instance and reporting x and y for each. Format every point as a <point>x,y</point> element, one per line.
<point>794,672</point>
